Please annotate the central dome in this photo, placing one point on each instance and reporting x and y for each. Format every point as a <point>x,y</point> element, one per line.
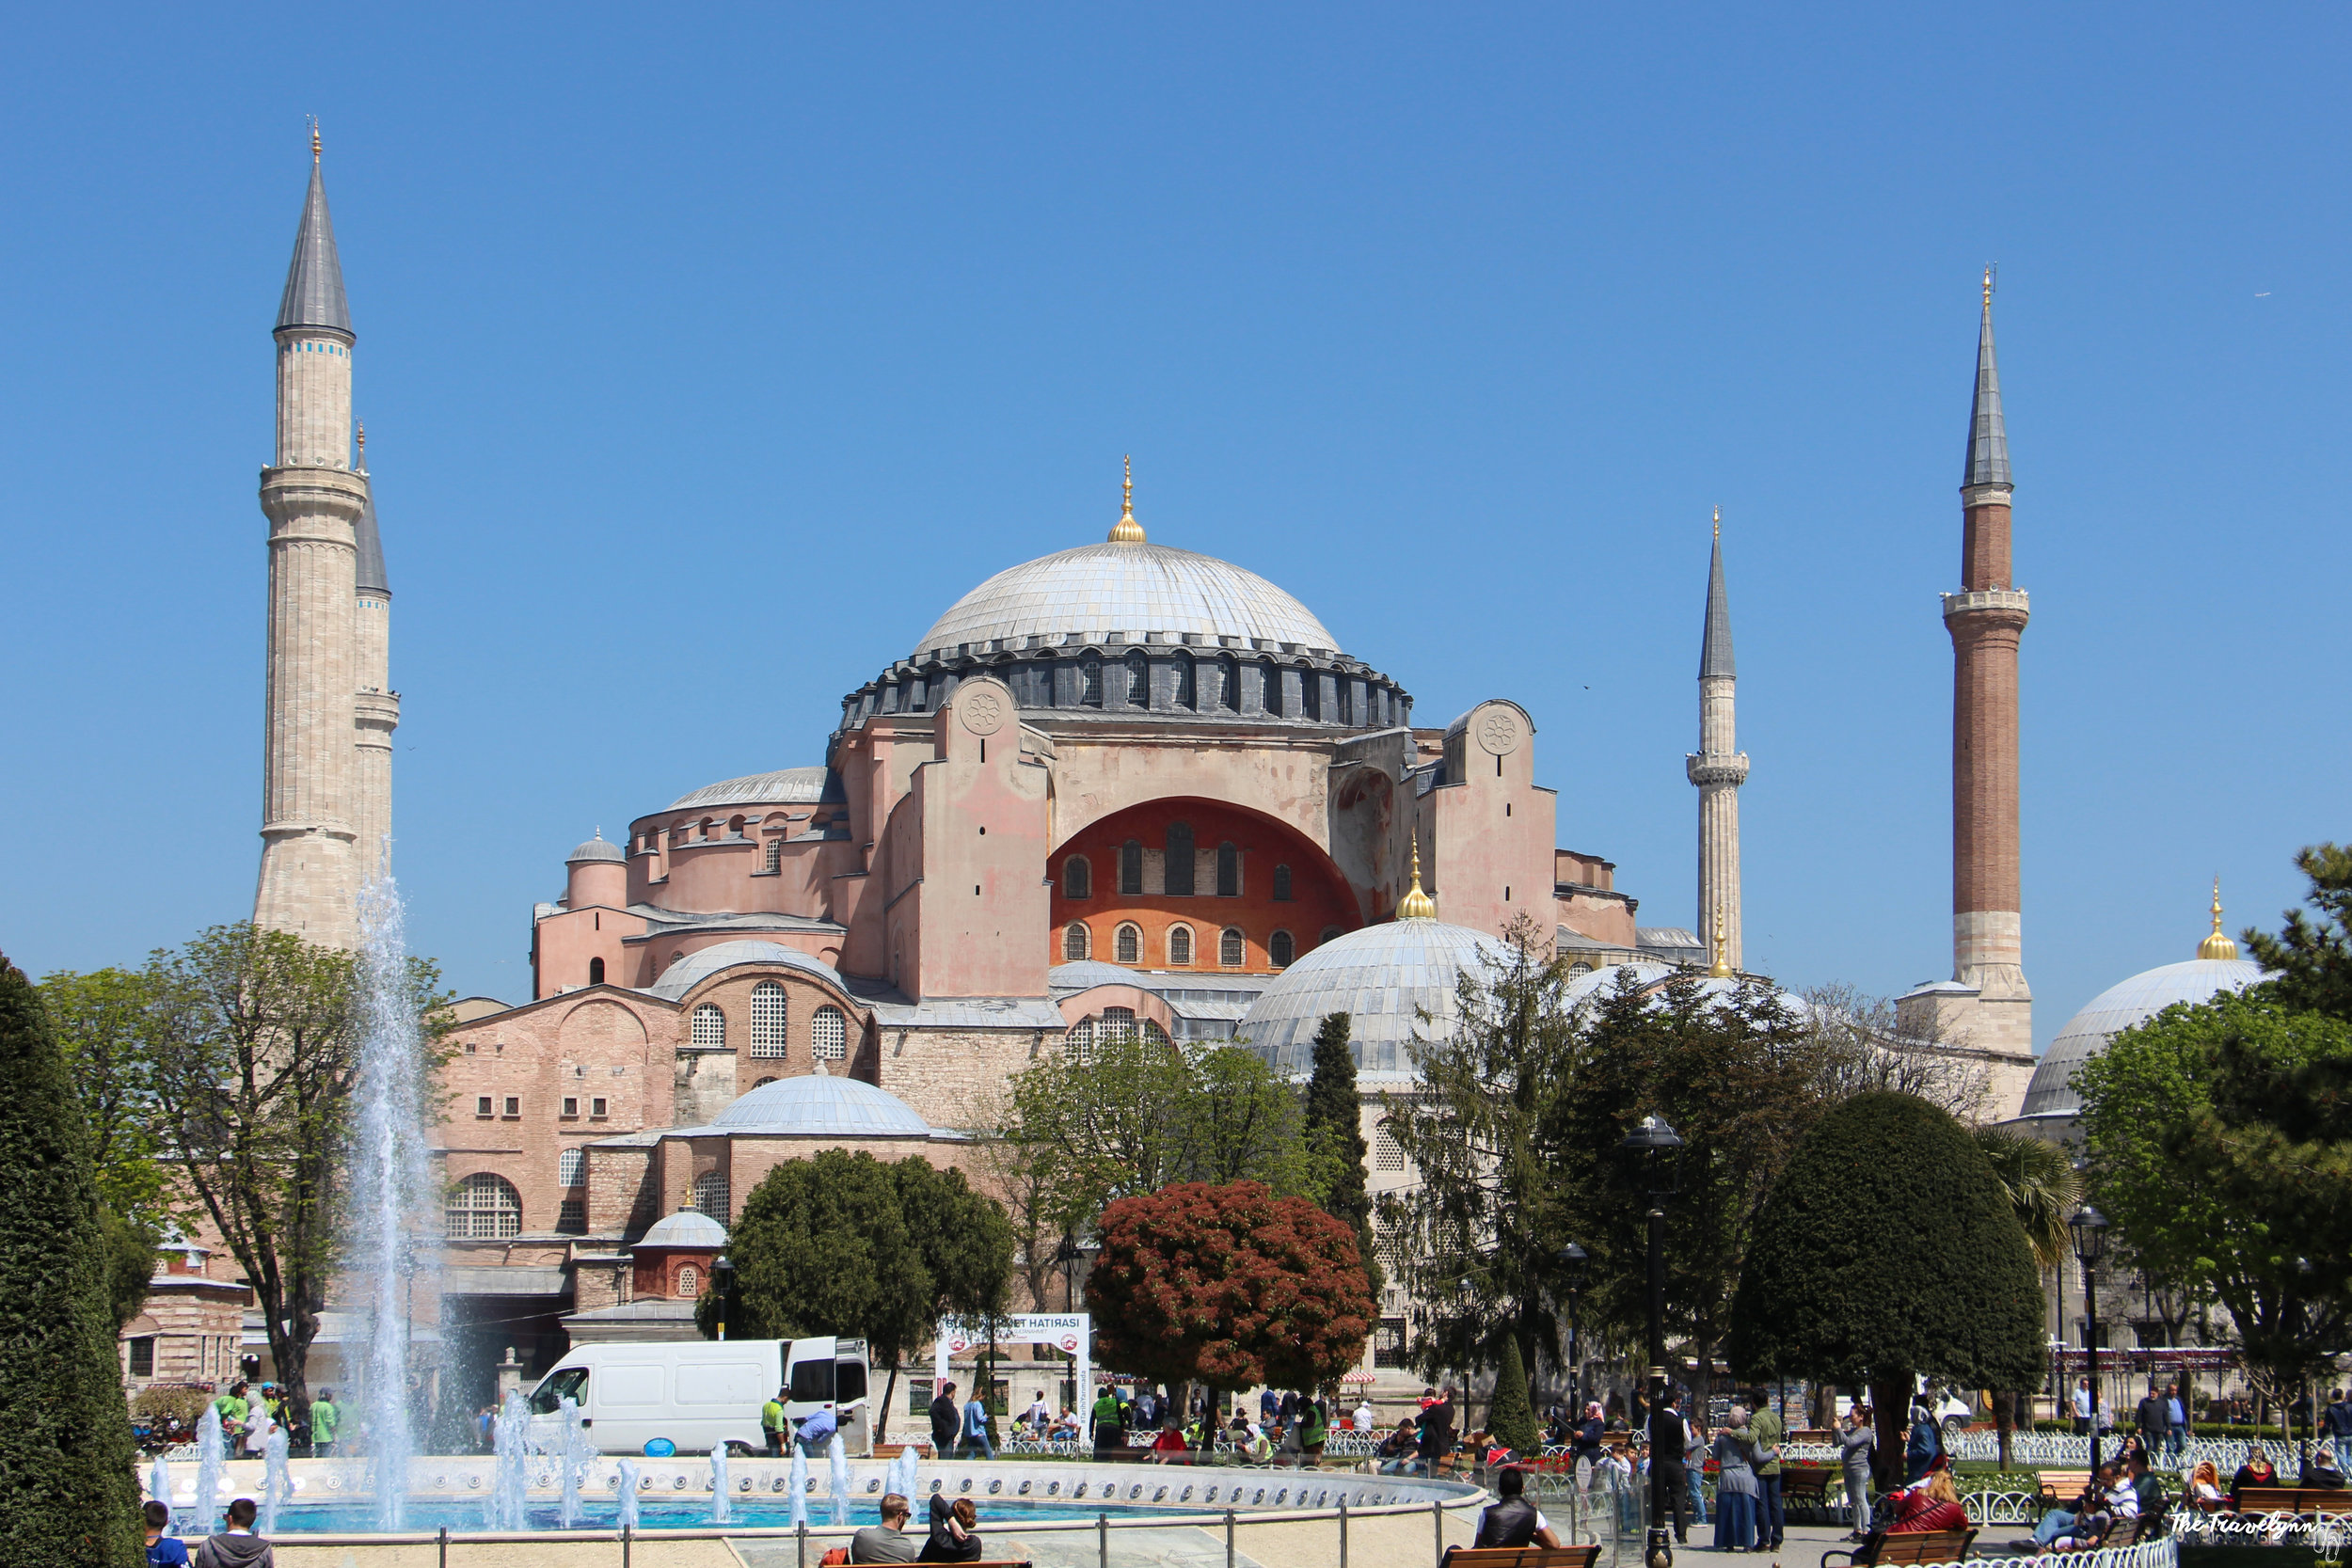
<point>1137,589</point>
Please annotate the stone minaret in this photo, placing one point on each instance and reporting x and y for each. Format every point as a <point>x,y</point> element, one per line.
<point>1718,768</point>
<point>1986,618</point>
<point>314,501</point>
<point>376,707</point>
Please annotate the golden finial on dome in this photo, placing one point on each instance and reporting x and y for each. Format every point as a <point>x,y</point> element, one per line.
<point>314,138</point>
<point>1721,967</point>
<point>1719,525</point>
<point>1127,530</point>
<point>2216,946</point>
<point>1416,905</point>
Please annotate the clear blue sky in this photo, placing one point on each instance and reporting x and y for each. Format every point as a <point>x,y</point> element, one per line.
<point>707,355</point>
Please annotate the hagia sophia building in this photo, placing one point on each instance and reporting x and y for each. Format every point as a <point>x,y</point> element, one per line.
<point>1121,787</point>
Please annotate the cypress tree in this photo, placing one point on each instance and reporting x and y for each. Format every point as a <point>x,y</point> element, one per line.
<point>1511,1414</point>
<point>67,1465</point>
<point>1335,1138</point>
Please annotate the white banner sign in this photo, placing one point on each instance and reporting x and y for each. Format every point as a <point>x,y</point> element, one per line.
<point>1072,1333</point>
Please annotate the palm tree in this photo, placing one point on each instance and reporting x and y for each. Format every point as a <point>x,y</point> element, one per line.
<point>2043,1191</point>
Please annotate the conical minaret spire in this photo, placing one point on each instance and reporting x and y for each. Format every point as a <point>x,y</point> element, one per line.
<point>1988,434</point>
<point>314,280</point>
<point>1719,767</point>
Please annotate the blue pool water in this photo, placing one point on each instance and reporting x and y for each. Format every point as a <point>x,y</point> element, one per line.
<point>358,1516</point>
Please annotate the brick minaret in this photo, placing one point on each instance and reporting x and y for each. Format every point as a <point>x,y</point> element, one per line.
<point>314,501</point>
<point>1986,618</point>
<point>1718,768</point>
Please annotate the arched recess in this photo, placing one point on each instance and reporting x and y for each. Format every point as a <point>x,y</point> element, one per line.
<point>1143,1004</point>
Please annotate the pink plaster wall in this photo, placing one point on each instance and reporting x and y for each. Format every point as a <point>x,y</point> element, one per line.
<point>1488,840</point>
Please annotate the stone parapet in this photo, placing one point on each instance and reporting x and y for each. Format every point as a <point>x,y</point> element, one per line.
<point>2000,604</point>
<point>1708,767</point>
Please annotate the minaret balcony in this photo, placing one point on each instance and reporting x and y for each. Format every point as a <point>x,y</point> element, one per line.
<point>1716,768</point>
<point>1997,606</point>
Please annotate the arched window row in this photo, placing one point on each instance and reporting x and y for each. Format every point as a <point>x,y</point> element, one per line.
<point>829,1035</point>
<point>709,1026</point>
<point>1077,878</point>
<point>484,1208</point>
<point>1130,947</point>
<point>1172,679</point>
<point>770,1011</point>
<point>571,1167</point>
<point>710,1195</point>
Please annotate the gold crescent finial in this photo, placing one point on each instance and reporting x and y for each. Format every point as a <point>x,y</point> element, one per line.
<point>1721,967</point>
<point>1719,525</point>
<point>1416,905</point>
<point>314,138</point>
<point>2216,946</point>
<point>1127,530</point>
<point>1988,285</point>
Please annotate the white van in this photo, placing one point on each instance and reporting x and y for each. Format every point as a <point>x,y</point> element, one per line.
<point>700,1394</point>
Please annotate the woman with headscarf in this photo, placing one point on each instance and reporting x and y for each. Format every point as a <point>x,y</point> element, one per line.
<point>1735,1485</point>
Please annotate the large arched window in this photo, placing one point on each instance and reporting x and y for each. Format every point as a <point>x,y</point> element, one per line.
<point>1091,681</point>
<point>768,1008</point>
<point>1077,878</point>
<point>1310,692</point>
<point>1074,941</point>
<point>829,1035</point>
<point>1081,1038</point>
<point>1282,884</point>
<point>1387,1153</point>
<point>1179,946</point>
<point>1230,947</point>
<point>1138,680</point>
<point>1185,690</point>
<point>1270,683</point>
<point>484,1208</point>
<point>1228,871</point>
<point>1228,684</point>
<point>1118,1025</point>
<point>571,1167</point>
<point>710,1195</point>
<point>1280,949</point>
<point>1131,866</point>
<point>1127,944</point>
<point>595,971</point>
<point>1178,876</point>
<point>710,1025</point>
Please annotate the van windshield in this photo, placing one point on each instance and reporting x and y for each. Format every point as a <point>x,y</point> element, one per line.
<point>565,1383</point>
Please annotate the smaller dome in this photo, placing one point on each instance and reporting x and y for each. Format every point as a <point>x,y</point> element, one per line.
<point>823,1106</point>
<point>1384,977</point>
<point>687,1227</point>
<point>597,849</point>
<point>2115,1009</point>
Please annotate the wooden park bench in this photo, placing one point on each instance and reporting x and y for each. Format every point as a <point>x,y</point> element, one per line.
<point>2294,1499</point>
<point>1805,1485</point>
<point>1905,1546</point>
<point>1519,1557</point>
<point>2061,1487</point>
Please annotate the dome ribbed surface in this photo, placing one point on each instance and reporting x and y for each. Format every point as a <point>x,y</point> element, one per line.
<point>692,970</point>
<point>1130,588</point>
<point>1383,977</point>
<point>828,1106</point>
<point>785,787</point>
<point>687,1227</point>
<point>2115,1009</point>
<point>597,849</point>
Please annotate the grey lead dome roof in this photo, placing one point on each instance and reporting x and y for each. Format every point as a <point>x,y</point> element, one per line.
<point>827,1105</point>
<point>687,1227</point>
<point>785,787</point>
<point>2115,1009</point>
<point>1383,977</point>
<point>597,848</point>
<point>1133,589</point>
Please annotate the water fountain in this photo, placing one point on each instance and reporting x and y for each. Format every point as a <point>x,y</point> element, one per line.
<point>388,1243</point>
<point>159,1484</point>
<point>208,1459</point>
<point>627,1517</point>
<point>902,1475</point>
<point>508,1507</point>
<point>577,1454</point>
<point>799,1488</point>
<point>720,1512</point>
<point>277,1485</point>
<point>837,1459</point>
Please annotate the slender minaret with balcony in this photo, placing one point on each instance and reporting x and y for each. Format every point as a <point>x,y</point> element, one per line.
<point>1986,620</point>
<point>1718,768</point>
<point>314,499</point>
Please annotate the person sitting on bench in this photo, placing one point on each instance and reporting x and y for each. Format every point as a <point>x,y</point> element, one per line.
<point>1511,1520</point>
<point>1933,1504</point>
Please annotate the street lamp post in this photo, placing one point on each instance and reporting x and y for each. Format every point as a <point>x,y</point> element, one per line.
<point>2089,1228</point>
<point>1572,1261</point>
<point>1655,1150</point>
<point>723,1281</point>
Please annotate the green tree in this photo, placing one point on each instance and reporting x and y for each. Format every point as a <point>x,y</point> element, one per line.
<point>2312,958</point>
<point>1229,1287</point>
<point>1887,1248</point>
<point>255,1052</point>
<point>2039,1183</point>
<point>104,1020</point>
<point>2220,1138</point>
<point>129,1253</point>
<point>1335,1140</point>
<point>66,1459</point>
<point>1511,1414</point>
<point>1477,1237</point>
<point>843,1243</point>
<point>1740,1076</point>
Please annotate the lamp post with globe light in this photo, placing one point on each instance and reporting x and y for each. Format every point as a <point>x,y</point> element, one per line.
<point>2089,1228</point>
<point>1656,1152</point>
<point>1572,1261</point>
<point>723,1281</point>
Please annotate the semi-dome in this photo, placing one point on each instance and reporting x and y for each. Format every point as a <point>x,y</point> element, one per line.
<point>687,1227</point>
<point>785,787</point>
<point>1384,977</point>
<point>597,848</point>
<point>823,1106</point>
<point>1140,590</point>
<point>2115,1009</point>
<point>692,970</point>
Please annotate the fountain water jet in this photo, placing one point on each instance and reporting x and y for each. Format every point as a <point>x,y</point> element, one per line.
<point>159,1487</point>
<point>277,1484</point>
<point>720,1510</point>
<point>508,1504</point>
<point>389,1252</point>
<point>799,1487</point>
<point>626,1518</point>
<point>208,1458</point>
<point>837,1459</point>
<point>577,1454</point>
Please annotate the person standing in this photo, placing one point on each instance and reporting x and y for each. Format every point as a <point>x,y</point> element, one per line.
<point>1855,1445</point>
<point>237,1546</point>
<point>976,1429</point>
<point>2083,1408</point>
<point>1735,1486</point>
<point>1926,1444</point>
<point>1765,1431</point>
<point>2176,1410</point>
<point>1695,1449</point>
<point>324,1420</point>
<point>1669,1474</point>
<point>946,1420</point>
<point>773,1424</point>
<point>1436,1434</point>
<point>1108,1432</point>
<point>2153,1418</point>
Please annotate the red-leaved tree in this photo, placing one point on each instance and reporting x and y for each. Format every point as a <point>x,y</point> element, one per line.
<point>1229,1286</point>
